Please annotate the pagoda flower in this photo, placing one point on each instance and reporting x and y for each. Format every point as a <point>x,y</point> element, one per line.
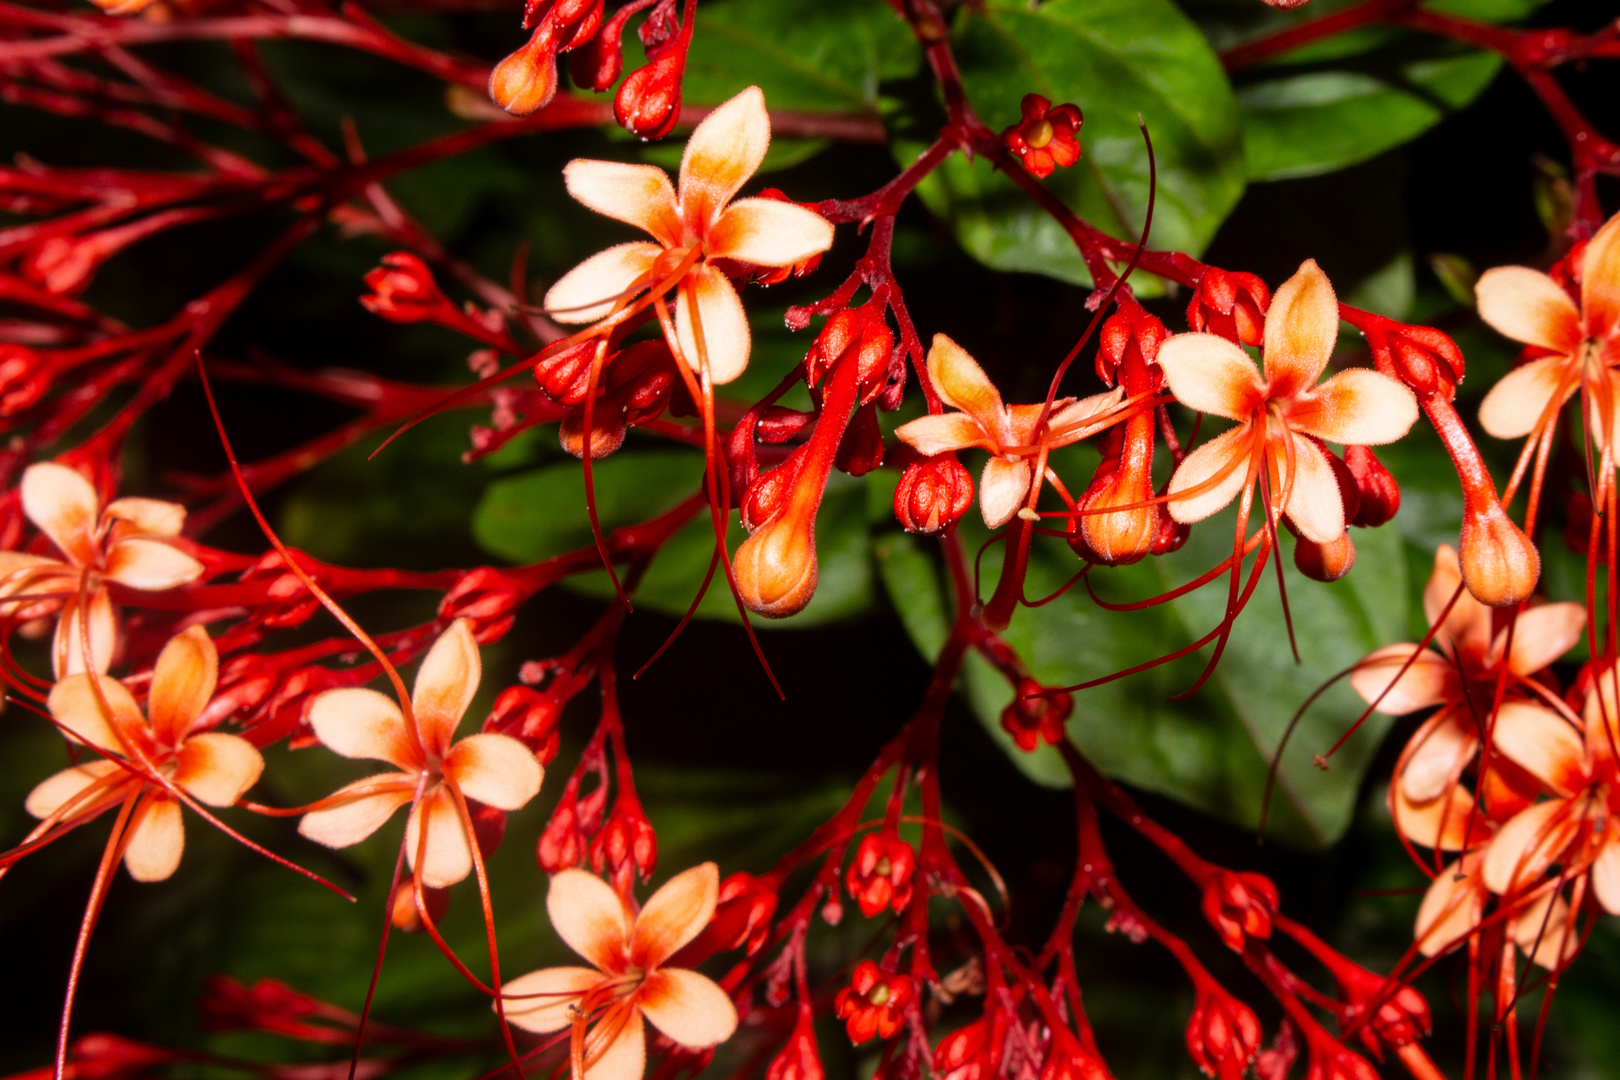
<point>1007,432</point>
<point>126,542</point>
<point>628,981</point>
<point>1281,410</point>
<point>211,767</point>
<point>1428,802</point>
<point>701,235</point>
<point>434,774</point>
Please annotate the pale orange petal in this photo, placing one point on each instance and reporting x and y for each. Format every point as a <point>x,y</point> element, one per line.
<point>589,916</point>
<point>67,648</point>
<point>1527,845</point>
<point>445,856</point>
<point>1600,281</point>
<point>1451,909</point>
<point>361,809</point>
<point>146,517</point>
<point>1606,872</point>
<point>360,723</point>
<point>1302,326</point>
<point>1222,464</point>
<point>768,232</point>
<point>1602,716</point>
<point>1358,406</point>
<point>157,839</point>
<point>723,152</point>
<point>497,770</point>
<point>1543,634</point>
<point>22,573</point>
<point>1542,931</point>
<point>1314,504</point>
<point>1528,306</point>
<point>1076,420</point>
<point>688,1007</point>
<point>718,308</point>
<point>216,768</point>
<point>932,435</point>
<point>76,706</point>
<point>1426,683</point>
<point>1438,753</point>
<point>675,914</point>
<point>962,384</point>
<point>588,291</point>
<point>183,683</point>
<point>1440,823</point>
<point>1210,374</point>
<point>1541,741</point>
<point>1003,487</point>
<point>1516,403</point>
<point>617,1046</point>
<point>639,195</point>
<point>1467,623</point>
<point>150,564</point>
<point>541,1000</point>
<point>56,790</point>
<point>62,503</point>
<point>445,684</point>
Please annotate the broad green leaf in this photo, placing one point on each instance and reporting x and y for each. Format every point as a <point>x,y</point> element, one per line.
<point>1115,59</point>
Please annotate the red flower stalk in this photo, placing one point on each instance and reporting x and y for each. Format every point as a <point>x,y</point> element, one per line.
<point>874,1003</point>
<point>1044,137</point>
<point>880,875</point>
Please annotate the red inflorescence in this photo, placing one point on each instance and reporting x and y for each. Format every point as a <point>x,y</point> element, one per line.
<point>874,1002</point>
<point>880,875</point>
<point>1044,137</point>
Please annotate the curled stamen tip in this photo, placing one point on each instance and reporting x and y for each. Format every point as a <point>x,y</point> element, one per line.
<point>1320,761</point>
<point>1500,565</point>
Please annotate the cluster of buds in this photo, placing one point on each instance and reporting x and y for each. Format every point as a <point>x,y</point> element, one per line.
<point>649,100</point>
<point>1036,713</point>
<point>874,1003</point>
<point>1045,138</point>
<point>742,916</point>
<point>527,79</point>
<point>531,717</point>
<point>636,387</point>
<point>862,335</point>
<point>403,290</point>
<point>1230,304</point>
<point>880,875</point>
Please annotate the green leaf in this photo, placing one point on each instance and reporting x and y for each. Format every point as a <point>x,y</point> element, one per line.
<point>1115,59</point>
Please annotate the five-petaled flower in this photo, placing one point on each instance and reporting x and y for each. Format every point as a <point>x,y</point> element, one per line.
<point>1280,411</point>
<point>701,234</point>
<point>874,1002</point>
<point>1007,432</point>
<point>212,767</point>
<point>124,542</point>
<point>434,773</point>
<point>629,980</point>
<point>1044,137</point>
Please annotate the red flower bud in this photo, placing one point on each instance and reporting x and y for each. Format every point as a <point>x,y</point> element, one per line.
<point>1426,360</point>
<point>861,450</point>
<point>1240,906</point>
<point>1325,562</point>
<point>1035,714</point>
<point>1223,1036</point>
<point>649,101</point>
<point>766,498</point>
<point>566,375</point>
<point>933,494</point>
<point>1044,137</point>
<point>1232,305</point>
<point>608,427</point>
<point>530,716</point>
<point>1379,491</point>
<point>403,291</point>
<point>879,877</point>
<point>597,63</point>
<point>798,1060</point>
<point>874,1002</point>
<point>25,376</point>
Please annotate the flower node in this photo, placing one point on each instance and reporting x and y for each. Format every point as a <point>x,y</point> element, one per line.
<point>1035,714</point>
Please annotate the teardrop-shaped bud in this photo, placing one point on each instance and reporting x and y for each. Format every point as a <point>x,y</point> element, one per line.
<point>1500,565</point>
<point>1325,562</point>
<point>526,80</point>
<point>775,568</point>
<point>649,101</point>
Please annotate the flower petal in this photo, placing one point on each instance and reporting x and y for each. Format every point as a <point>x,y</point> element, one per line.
<point>768,232</point>
<point>67,648</point>
<point>361,723</point>
<point>1451,908</point>
<point>589,916</point>
<point>1540,741</point>
<point>617,1046</point>
<point>1427,682</point>
<point>1516,403</point>
<point>216,768</point>
<point>1210,374</point>
<point>1315,505</point>
<point>1602,716</point>
<point>962,384</point>
<point>1600,281</point>
<point>723,152</point>
<point>639,195</point>
<point>150,564</point>
<point>445,684</point>
<point>1211,476</point>
<point>58,789</point>
<point>76,706</point>
<point>1367,408</point>
<point>1075,420</point>
<point>183,683</point>
<point>157,839</point>
<point>146,517</point>
<point>1003,487</point>
<point>1527,845</point>
<point>361,809</point>
<point>1606,872</point>
<point>688,1007</point>
<point>589,291</point>
<point>1439,823</point>
<point>497,770</point>
<point>62,503</point>
<point>1437,754</point>
<point>1527,305</point>
<point>541,1000</point>
<point>1543,634</point>
<point>445,857</point>
<point>674,915</point>
<point>1302,326</point>
<point>719,310</point>
<point>1542,931</point>
<point>1467,624</point>
<point>931,435</point>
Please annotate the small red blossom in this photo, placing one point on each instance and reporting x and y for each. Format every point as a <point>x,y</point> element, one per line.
<point>880,875</point>
<point>1232,305</point>
<point>403,291</point>
<point>1223,1035</point>
<point>1240,906</point>
<point>1044,137</point>
<point>874,1002</point>
<point>1035,714</point>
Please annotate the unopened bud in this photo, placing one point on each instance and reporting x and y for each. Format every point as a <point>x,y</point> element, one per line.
<point>1325,562</point>
<point>933,494</point>
<point>1427,361</point>
<point>649,101</point>
<point>775,568</point>
<point>1232,305</point>
<point>597,63</point>
<point>1500,565</point>
<point>608,428</point>
<point>861,450</point>
<point>840,332</point>
<point>403,290</point>
<point>1380,493</point>
<point>404,913</point>
<point>1124,478</point>
<point>766,498</point>
<point>565,376</point>
<point>1172,536</point>
<point>526,80</point>
<point>24,378</point>
<point>798,1060</point>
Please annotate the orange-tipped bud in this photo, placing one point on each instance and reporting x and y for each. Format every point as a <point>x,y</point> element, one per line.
<point>403,912</point>
<point>1124,478</point>
<point>775,568</point>
<point>526,80</point>
<point>1325,562</point>
<point>932,495</point>
<point>1500,565</point>
<point>649,101</point>
<point>608,428</point>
